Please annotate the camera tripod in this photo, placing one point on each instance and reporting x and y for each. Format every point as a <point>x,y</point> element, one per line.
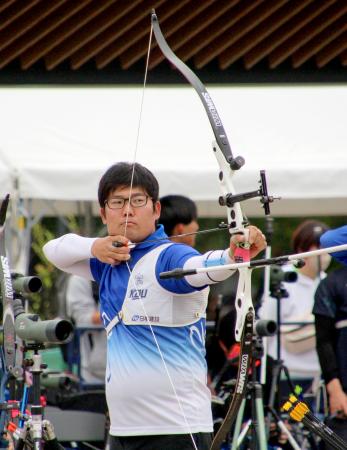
<point>278,292</point>
<point>33,430</point>
<point>256,423</point>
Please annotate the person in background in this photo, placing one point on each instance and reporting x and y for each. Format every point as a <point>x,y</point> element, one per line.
<point>330,310</point>
<point>179,216</point>
<point>301,361</point>
<point>82,307</point>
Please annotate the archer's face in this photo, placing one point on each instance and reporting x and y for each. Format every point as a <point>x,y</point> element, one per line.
<point>136,223</point>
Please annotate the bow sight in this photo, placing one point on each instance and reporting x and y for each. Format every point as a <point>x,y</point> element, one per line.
<point>230,199</point>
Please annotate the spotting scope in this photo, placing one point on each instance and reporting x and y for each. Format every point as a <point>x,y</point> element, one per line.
<point>277,275</point>
<point>264,328</point>
<point>30,328</point>
<point>25,285</point>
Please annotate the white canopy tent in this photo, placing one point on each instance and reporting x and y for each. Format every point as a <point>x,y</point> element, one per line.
<point>55,143</point>
<point>5,178</point>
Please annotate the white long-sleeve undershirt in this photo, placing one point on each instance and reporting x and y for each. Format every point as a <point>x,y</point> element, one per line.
<point>71,253</point>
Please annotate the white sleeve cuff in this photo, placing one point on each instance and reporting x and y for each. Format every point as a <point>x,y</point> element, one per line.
<point>212,258</point>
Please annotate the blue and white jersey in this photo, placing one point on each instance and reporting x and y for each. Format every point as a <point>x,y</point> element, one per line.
<point>139,387</point>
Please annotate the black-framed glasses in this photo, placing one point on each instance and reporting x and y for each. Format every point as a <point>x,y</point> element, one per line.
<point>136,201</point>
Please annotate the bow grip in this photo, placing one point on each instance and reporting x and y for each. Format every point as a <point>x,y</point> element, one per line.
<point>242,251</point>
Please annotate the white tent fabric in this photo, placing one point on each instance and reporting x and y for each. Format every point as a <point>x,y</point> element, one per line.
<point>55,143</point>
<point>5,177</point>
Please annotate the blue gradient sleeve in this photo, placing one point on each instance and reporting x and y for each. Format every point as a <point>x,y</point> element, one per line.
<point>96,268</point>
<point>174,257</point>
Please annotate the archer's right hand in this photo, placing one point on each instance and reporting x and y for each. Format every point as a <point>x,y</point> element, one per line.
<point>104,251</point>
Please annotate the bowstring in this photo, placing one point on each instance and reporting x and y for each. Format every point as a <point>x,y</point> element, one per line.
<point>138,129</point>
<point>131,278</point>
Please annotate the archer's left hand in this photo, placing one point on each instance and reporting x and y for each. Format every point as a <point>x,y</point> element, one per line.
<point>255,239</point>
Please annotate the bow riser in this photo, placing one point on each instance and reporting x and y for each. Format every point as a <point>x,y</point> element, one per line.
<point>235,217</point>
<point>236,221</point>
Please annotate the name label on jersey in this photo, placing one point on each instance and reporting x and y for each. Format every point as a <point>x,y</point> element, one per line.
<point>136,294</point>
<point>138,318</point>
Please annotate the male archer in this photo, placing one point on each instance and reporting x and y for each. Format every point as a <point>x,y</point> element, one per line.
<point>156,370</point>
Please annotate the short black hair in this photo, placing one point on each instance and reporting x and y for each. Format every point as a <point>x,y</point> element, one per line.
<point>176,209</point>
<point>120,174</point>
<point>308,234</point>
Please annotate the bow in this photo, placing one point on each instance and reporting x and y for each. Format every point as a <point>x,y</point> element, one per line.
<point>6,294</point>
<point>228,166</point>
<point>8,350</point>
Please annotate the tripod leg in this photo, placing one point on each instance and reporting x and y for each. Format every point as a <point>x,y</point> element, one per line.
<point>276,373</point>
<point>260,425</point>
<point>243,433</point>
<point>238,423</point>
